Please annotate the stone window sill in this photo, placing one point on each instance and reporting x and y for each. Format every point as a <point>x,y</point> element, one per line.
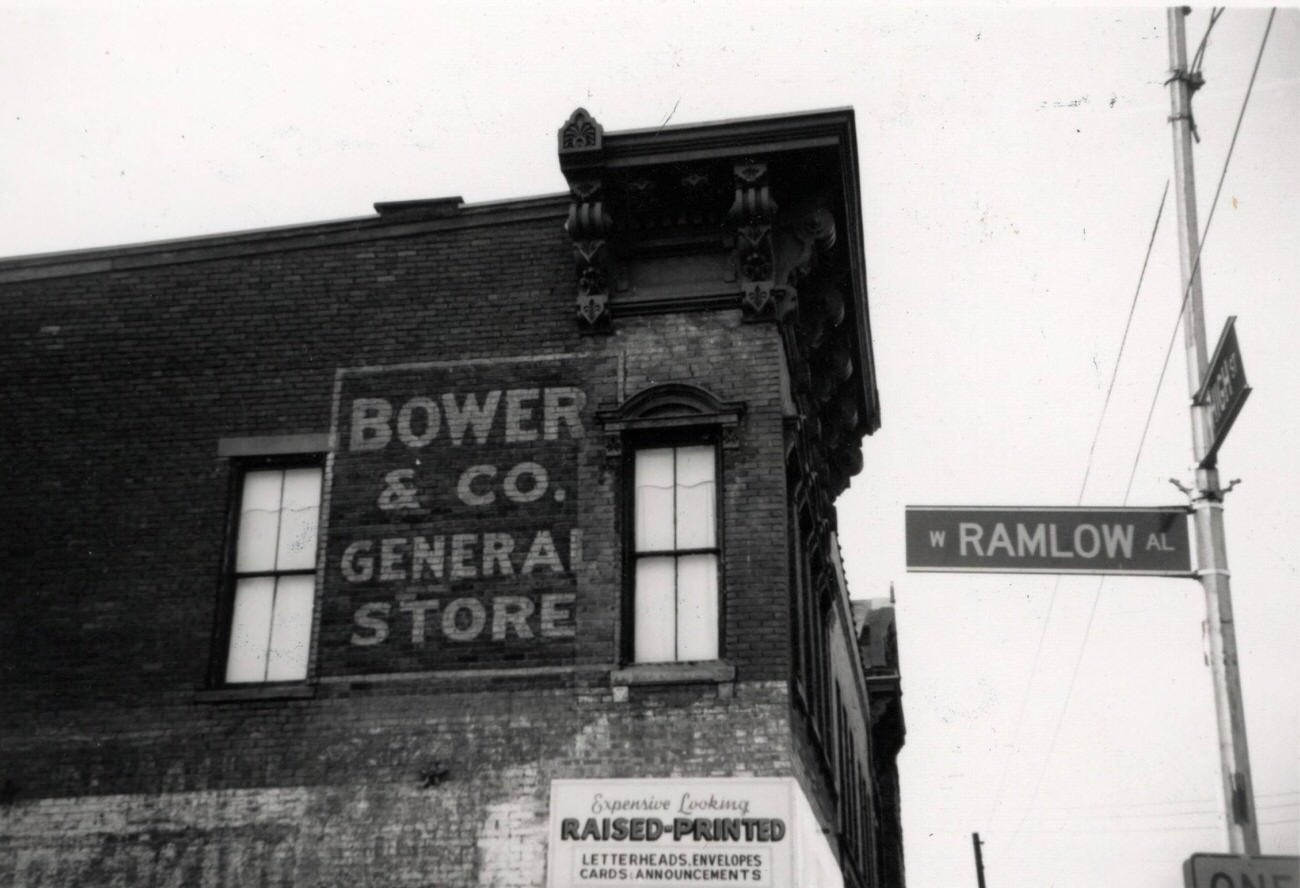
<point>706,672</point>
<point>240,693</point>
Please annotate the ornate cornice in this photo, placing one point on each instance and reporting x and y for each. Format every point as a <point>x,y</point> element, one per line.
<point>760,215</point>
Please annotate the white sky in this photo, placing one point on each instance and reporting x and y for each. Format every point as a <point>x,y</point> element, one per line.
<point>1012,162</point>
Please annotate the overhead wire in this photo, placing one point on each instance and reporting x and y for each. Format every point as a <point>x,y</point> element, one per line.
<point>1199,56</point>
<point>1146,428</point>
<point>1087,472</point>
<point>1196,264</point>
<point>1197,803</point>
<point>1193,73</point>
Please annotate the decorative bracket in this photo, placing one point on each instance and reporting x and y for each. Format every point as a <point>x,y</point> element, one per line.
<point>581,148</point>
<point>752,213</point>
<point>803,247</point>
<point>580,134</point>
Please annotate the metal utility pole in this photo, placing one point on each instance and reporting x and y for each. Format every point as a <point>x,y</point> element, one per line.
<point>1239,797</point>
<point>979,859</point>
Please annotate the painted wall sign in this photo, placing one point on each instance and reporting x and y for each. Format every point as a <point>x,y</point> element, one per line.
<point>1241,871</point>
<point>1224,389</point>
<point>683,832</point>
<point>980,539</point>
<point>453,539</point>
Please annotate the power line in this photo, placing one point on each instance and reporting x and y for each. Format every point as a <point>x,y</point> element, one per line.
<point>1092,449</point>
<point>1104,807</point>
<point>1194,79</point>
<point>1199,57</point>
<point>1126,830</point>
<point>1133,473</point>
<point>1196,265</point>
<point>1047,815</point>
<point>1096,435</point>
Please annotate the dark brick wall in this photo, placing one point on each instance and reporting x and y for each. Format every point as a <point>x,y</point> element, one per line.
<point>118,386</point>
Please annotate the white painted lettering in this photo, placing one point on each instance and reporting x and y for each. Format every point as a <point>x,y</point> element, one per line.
<point>372,616</point>
<point>358,565</point>
<point>496,554</point>
<point>462,556</point>
<point>431,422</point>
<point>465,486</point>
<point>555,612</point>
<point>936,539</point>
<point>530,414</point>
<point>517,414</point>
<point>1057,552</point>
<point>511,611</point>
<point>418,609</point>
<point>370,429</point>
<point>398,493</point>
<point>542,553</point>
<point>969,532</point>
<point>452,623</point>
<point>563,404</point>
<point>470,414</point>
<point>422,556</point>
<point>1028,544</point>
<point>535,486</point>
<point>1000,540</point>
<point>390,559</point>
<point>1091,549</point>
<point>1119,539</point>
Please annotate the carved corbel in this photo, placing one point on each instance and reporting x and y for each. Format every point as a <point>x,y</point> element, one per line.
<point>581,150</point>
<point>752,213</point>
<point>613,455</point>
<point>804,246</point>
<point>731,437</point>
<point>587,225</point>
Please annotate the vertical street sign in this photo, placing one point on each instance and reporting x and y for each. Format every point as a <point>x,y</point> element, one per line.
<point>1223,390</point>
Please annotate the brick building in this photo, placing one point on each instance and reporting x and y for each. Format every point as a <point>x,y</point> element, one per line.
<point>456,545</point>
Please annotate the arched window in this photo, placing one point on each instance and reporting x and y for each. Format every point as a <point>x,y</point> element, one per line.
<point>671,436</point>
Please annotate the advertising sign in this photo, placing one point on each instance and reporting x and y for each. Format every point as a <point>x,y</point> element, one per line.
<point>682,832</point>
<point>1241,871</point>
<point>453,539</point>
<point>1224,389</point>
<point>990,539</point>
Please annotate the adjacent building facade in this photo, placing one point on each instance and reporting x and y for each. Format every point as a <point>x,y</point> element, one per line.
<point>457,545</point>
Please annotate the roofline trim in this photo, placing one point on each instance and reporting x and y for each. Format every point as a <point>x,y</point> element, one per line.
<point>300,236</point>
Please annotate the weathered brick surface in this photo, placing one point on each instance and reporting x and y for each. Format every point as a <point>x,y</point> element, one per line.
<point>331,792</point>
<point>117,387</point>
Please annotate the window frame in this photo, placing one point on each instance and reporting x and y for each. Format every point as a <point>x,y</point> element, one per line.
<point>664,414</point>
<point>707,436</point>
<point>240,466</point>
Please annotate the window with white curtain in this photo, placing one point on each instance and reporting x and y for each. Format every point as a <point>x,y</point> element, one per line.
<point>272,584</point>
<point>675,587</point>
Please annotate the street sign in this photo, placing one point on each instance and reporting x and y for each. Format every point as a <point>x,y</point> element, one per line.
<point>1223,389</point>
<point>1031,539</point>
<point>1240,871</point>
